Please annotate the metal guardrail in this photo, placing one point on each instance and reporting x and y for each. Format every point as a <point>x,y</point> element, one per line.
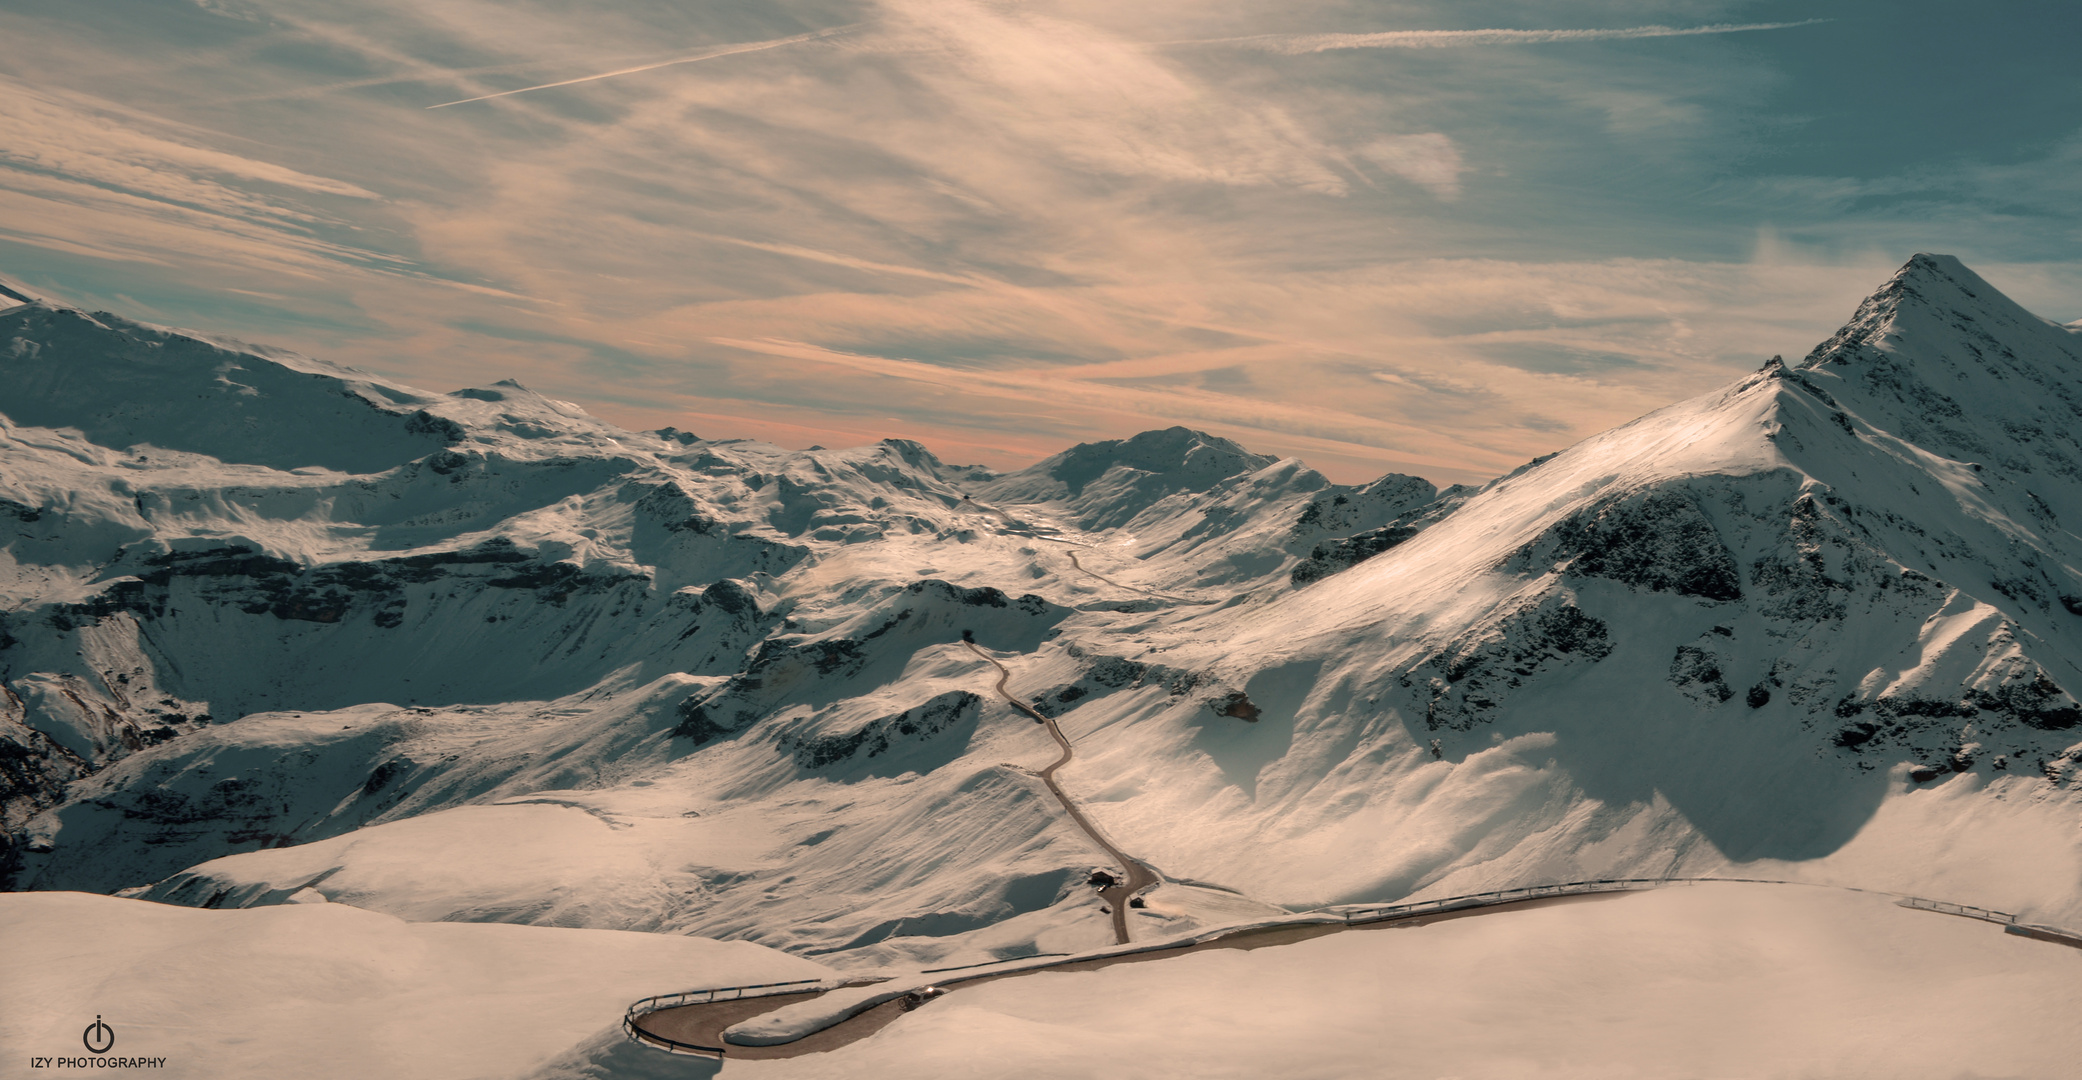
<point>714,994</point>
<point>660,1002</point>
<point>1967,910</point>
<point>1354,915</point>
<point>988,963</point>
<point>670,1046</point>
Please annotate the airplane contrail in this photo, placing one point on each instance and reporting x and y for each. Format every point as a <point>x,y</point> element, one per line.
<point>1298,44</point>
<point>711,54</point>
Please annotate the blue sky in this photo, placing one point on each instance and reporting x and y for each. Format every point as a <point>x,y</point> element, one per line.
<point>1359,233</point>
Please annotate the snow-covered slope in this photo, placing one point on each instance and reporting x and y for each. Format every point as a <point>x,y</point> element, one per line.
<point>1824,622</point>
<point>1742,628</point>
<point>327,990</point>
<point>1722,981</point>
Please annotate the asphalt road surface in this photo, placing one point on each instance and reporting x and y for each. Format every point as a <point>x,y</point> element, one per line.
<point>1138,876</point>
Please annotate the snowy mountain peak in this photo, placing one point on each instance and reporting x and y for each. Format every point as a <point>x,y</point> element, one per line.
<point>1933,298</point>
<point>1106,484</point>
<point>1866,556</point>
<point>1942,360</point>
<point>125,384</point>
<point>1827,617</point>
<point>1186,460</point>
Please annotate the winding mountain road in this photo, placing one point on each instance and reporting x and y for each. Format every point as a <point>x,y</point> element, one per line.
<point>1138,876</point>
<point>1123,585</point>
<point>1028,528</point>
<point>699,1017</point>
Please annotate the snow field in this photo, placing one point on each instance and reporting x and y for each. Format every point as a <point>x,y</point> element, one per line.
<point>325,991</point>
<point>1724,981</point>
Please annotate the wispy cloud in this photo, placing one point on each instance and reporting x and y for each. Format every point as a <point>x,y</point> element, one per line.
<point>709,54</point>
<point>1299,44</point>
<point>996,227</point>
<point>95,140</point>
<point>91,177</point>
<point>1431,160</point>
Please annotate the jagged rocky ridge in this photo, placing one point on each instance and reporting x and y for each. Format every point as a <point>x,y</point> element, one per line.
<point>273,625</point>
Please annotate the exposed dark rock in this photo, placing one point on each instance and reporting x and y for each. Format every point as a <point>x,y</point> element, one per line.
<point>783,661</point>
<point>445,462</point>
<point>696,726</point>
<point>673,508</point>
<point>392,615</point>
<point>1332,556</point>
<point>496,550</point>
<point>1568,630</point>
<point>983,596</point>
<point>1856,735</point>
<point>557,582</point>
<point>1659,541</point>
<point>228,561</point>
<point>1114,672</point>
<point>1349,510</point>
<point>1922,725</point>
<point>1473,677</point>
<point>34,771</point>
<point>426,423</point>
<point>383,776</point>
<point>1235,703</point>
<point>2036,702</point>
<point>729,596</point>
<point>1801,589</point>
<point>260,584</point>
<point>1107,673</point>
<point>877,736</point>
<point>827,656</point>
<point>1697,674</point>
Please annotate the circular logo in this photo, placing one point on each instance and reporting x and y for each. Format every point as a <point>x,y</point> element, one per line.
<point>98,1033</point>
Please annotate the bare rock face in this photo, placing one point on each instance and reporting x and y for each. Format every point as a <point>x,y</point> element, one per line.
<point>1656,541</point>
<point>883,734</point>
<point>1343,512</point>
<point>1696,672</point>
<point>1236,703</point>
<point>1472,681</point>
<point>1416,508</point>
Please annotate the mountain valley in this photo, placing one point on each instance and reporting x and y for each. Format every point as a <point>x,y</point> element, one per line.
<point>280,632</point>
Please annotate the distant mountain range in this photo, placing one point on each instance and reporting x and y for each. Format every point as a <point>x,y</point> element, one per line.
<point>275,629</point>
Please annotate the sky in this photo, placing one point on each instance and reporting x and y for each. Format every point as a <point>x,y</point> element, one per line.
<point>1424,237</point>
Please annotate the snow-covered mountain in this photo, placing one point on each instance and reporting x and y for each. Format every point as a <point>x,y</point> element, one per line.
<point>275,629</point>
